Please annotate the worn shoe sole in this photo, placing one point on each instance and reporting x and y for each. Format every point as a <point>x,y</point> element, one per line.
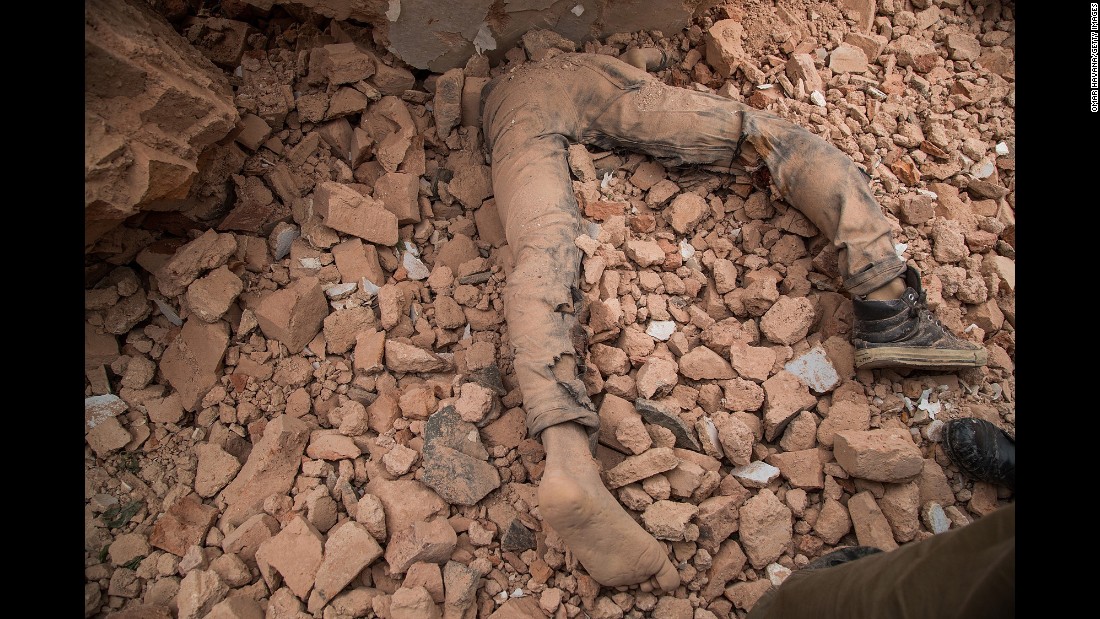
<point>918,358</point>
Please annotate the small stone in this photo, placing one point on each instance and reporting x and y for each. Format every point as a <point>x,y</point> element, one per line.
<point>788,320</point>
<point>580,163</point>
<point>413,603</point>
<point>686,212</point>
<point>199,592</point>
<point>872,528</point>
<point>399,459</point>
<point>755,474</point>
<point>209,251</point>
<point>401,357</point>
<point>448,101</point>
<point>736,438</point>
<point>474,402</point>
<point>801,67</point>
<point>431,541</point>
<point>372,515</point>
<point>236,607</point>
<point>126,548</point>
<point>645,253</point>
<point>934,517</point>
<point>517,537</point>
<point>801,468</point>
<point>786,396</point>
<point>658,414</point>
<point>295,553</point>
<point>183,525</point>
<point>348,549</point>
<point>427,575</point>
<point>815,370</point>
<point>216,468</point>
<point>661,330</point>
<point>329,445</point>
<point>668,519</point>
<point>848,59</point>
<point>209,297</point>
<point>637,468</point>
<point>833,521</point>
<point>777,573</point>
<point>766,528</point>
<point>878,455</point>
<point>270,469</point>
<point>752,362</point>
<point>901,504</point>
<point>293,315</point>
<point>456,476</point>
<point>348,211</point>
<point>193,360</point>
<point>656,377</point>
<point>703,363</point>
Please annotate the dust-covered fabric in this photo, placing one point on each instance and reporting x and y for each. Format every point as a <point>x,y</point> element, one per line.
<point>531,115</point>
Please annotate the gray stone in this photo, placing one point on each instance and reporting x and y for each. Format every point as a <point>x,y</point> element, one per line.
<point>658,414</point>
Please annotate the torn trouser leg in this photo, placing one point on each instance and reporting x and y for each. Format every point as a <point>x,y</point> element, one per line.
<point>535,200</point>
<point>679,126</point>
<point>532,113</point>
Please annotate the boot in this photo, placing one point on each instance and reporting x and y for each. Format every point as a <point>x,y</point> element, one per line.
<point>904,333</point>
<point>981,450</point>
<point>841,556</point>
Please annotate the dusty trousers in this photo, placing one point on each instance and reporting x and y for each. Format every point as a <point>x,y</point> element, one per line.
<point>531,115</point>
<point>969,573</point>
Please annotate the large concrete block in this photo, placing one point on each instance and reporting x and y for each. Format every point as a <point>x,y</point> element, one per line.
<point>152,104</point>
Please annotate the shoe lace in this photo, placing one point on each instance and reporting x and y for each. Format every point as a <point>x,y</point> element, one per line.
<point>920,310</point>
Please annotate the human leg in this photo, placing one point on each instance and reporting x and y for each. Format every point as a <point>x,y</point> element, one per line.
<point>535,200</point>
<point>894,327</point>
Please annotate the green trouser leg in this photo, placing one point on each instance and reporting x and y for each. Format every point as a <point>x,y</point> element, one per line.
<point>966,573</point>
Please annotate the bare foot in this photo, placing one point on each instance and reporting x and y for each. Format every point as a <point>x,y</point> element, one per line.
<point>599,532</point>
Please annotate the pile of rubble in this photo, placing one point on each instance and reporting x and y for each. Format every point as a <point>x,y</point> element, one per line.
<point>299,392</point>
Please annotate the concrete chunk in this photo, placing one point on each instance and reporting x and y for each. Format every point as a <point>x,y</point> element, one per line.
<point>348,549</point>
<point>270,469</point>
<point>815,370</point>
<point>766,528</point>
<point>184,525</point>
<point>637,468</point>
<point>878,455</point>
<point>346,210</point>
<point>786,396</point>
<point>294,314</point>
<point>193,360</point>
<point>431,541</point>
<point>295,553</point>
<point>872,528</point>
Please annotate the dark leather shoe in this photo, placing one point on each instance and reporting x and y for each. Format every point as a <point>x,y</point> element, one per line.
<point>840,556</point>
<point>903,333</point>
<point>981,450</point>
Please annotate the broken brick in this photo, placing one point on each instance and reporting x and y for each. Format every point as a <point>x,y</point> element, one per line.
<point>183,525</point>
<point>192,361</point>
<point>346,210</point>
<point>293,315</point>
<point>295,553</point>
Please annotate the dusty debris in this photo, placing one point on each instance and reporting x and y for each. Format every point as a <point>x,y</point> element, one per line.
<point>878,455</point>
<point>714,334</point>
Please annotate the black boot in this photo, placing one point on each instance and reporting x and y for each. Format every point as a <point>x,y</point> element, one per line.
<point>981,450</point>
<point>841,556</point>
<point>904,333</point>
